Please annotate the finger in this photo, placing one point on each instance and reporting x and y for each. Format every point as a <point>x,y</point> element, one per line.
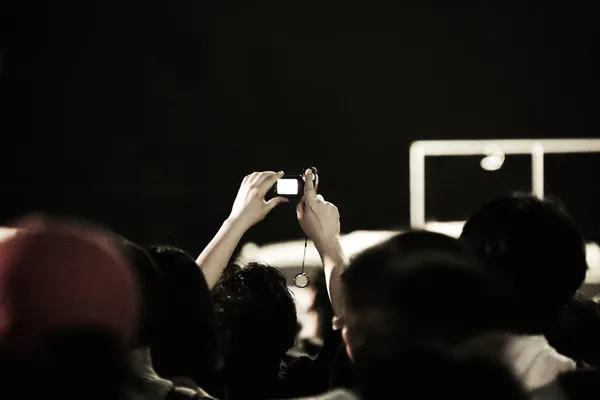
<point>246,178</point>
<point>252,177</point>
<point>259,177</point>
<point>320,198</point>
<point>268,180</point>
<point>309,187</point>
<point>274,202</point>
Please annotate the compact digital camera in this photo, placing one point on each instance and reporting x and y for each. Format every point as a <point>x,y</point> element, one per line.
<point>292,186</point>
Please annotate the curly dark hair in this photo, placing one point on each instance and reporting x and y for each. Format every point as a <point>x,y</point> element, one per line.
<point>256,316</point>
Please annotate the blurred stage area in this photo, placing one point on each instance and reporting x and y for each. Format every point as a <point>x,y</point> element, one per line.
<point>288,255</point>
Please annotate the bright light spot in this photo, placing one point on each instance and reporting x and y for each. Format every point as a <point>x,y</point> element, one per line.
<point>494,158</point>
<point>287,187</point>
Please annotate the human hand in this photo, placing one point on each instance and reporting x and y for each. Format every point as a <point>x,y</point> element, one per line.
<point>250,206</point>
<point>319,219</point>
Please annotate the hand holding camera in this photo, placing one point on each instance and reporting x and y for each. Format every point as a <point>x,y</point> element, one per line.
<point>292,186</point>
<point>250,206</point>
<point>319,219</point>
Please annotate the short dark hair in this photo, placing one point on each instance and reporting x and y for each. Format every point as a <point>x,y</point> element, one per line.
<point>256,315</point>
<point>536,246</point>
<point>149,285</point>
<point>415,287</point>
<point>187,337</point>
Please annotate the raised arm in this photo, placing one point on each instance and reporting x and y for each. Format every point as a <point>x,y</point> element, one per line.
<point>320,221</point>
<point>248,209</point>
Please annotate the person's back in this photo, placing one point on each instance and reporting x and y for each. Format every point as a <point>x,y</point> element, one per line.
<point>535,246</point>
<point>436,372</point>
<point>257,322</point>
<point>69,363</point>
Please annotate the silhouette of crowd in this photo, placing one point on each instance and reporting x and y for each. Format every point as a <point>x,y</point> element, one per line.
<point>495,314</point>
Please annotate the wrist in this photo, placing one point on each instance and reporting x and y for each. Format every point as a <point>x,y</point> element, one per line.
<point>330,250</point>
<point>237,225</point>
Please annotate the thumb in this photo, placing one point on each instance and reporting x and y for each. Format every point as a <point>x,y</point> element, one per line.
<point>309,187</point>
<point>274,202</point>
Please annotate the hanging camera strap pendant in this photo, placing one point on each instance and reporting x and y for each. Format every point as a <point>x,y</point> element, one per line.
<point>302,280</point>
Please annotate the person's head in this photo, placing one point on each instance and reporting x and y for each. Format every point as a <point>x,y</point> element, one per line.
<point>186,345</point>
<point>417,287</point>
<point>68,307</point>
<point>256,316</point>
<point>536,247</point>
<point>149,286</point>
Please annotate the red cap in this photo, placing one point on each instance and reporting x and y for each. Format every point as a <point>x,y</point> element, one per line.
<point>54,274</point>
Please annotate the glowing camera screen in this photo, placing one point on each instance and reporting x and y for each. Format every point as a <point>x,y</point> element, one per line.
<point>287,187</point>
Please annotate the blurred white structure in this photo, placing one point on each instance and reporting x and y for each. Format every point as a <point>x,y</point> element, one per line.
<point>287,255</point>
<point>494,152</point>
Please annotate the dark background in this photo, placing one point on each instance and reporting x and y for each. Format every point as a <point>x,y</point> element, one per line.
<point>146,115</point>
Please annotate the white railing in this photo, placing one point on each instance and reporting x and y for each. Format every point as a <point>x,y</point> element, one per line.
<point>488,148</point>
